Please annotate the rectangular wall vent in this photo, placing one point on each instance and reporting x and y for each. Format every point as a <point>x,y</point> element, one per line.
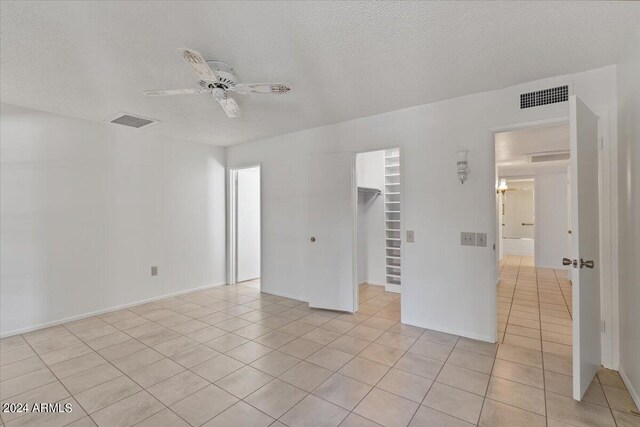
<point>132,121</point>
<point>544,97</point>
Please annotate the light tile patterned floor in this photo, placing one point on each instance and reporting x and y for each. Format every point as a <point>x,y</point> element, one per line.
<point>231,356</point>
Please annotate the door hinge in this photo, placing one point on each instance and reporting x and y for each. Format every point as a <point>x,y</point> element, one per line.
<point>604,326</point>
<point>600,143</point>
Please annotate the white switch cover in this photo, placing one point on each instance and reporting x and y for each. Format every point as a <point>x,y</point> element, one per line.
<point>481,239</point>
<point>410,236</point>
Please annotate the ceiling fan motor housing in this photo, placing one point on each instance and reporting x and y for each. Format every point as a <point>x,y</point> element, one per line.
<point>225,73</point>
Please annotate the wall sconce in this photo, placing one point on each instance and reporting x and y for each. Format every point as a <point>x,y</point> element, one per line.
<point>463,166</point>
<point>502,186</point>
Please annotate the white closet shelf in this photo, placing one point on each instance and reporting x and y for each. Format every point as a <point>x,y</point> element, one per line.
<point>397,276</point>
<point>393,257</point>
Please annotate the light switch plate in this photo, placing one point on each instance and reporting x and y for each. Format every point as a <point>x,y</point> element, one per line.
<point>481,239</point>
<point>467,239</point>
<point>154,270</point>
<point>410,236</point>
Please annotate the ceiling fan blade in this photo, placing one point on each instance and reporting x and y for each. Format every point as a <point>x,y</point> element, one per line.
<point>265,88</point>
<point>199,64</point>
<point>230,106</point>
<point>193,91</point>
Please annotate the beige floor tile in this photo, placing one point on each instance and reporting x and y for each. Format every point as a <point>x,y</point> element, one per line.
<point>194,356</point>
<point>519,373</point>
<point>20,367</point>
<point>427,417</point>
<point>342,326</point>
<point>430,349</point>
<point>108,340</point>
<point>516,394</point>
<point>107,393</point>
<point>455,402</point>
<point>321,336</point>
<point>475,361</point>
<point>355,420</point>
<point>485,348</point>
<point>249,352</point>
<point>226,342</point>
<point>610,378</point>
<point>88,422</point>
<point>577,413</point>
<point>343,391</point>
<point>625,419</point>
<point>275,363</point>
<point>313,411</point>
<point>244,381</point>
<point>365,333</point>
<point>218,367</point>
<point>523,332</point>
<point>306,376</point>
<point>496,414</point>
<point>177,387</point>
<point>66,353</point>
<point>330,358</point>
<point>298,328</point>
<point>275,339</point>
<point>521,355</point>
<point>203,405</point>
<point>378,323</point>
<point>128,411</point>
<point>137,360</point>
<point>300,348</point>
<point>418,365</point>
<point>560,364</point>
<point>463,378</point>
<point>209,333</point>
<point>559,349</point>
<point>155,372</point>
<point>364,370</point>
<point>619,399</point>
<point>174,346</point>
<point>276,398</point>
<point>25,382</point>
<point>90,378</point>
<point>349,344</point>
<point>120,350</point>
<point>399,341</point>
<point>404,384</point>
<point>164,418</point>
<point>557,338</point>
<point>240,414</point>
<point>382,354</point>
<point>386,408</point>
<point>520,341</point>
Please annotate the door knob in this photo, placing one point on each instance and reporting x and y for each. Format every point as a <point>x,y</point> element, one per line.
<point>566,261</point>
<point>588,264</point>
<point>313,239</point>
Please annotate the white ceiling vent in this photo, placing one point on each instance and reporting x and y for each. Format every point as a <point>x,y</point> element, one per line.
<point>544,97</point>
<point>131,121</point>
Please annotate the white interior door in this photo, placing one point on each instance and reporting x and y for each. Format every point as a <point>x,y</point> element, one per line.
<point>248,224</point>
<point>585,245</point>
<point>330,227</point>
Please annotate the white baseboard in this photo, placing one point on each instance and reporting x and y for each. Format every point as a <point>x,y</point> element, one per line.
<point>103,311</point>
<point>284,295</point>
<point>392,288</point>
<point>632,391</point>
<point>466,334</point>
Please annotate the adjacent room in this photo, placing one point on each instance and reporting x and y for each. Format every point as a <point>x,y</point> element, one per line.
<point>319,213</point>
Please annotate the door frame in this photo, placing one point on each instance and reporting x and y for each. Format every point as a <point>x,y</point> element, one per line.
<point>354,209</point>
<point>607,178</point>
<point>232,220</point>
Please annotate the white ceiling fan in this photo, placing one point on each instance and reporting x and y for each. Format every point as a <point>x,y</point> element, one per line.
<point>218,79</point>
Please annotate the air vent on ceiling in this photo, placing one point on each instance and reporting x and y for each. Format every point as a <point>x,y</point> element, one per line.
<point>131,121</point>
<point>544,97</point>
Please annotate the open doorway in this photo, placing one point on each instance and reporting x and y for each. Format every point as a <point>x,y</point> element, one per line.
<point>534,292</point>
<point>378,234</point>
<point>245,227</point>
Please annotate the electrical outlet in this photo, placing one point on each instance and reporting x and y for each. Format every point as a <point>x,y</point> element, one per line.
<point>154,270</point>
<point>467,239</point>
<point>410,236</point>
<point>481,239</point>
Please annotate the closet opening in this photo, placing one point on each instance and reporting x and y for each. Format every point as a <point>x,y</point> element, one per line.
<point>245,227</point>
<point>378,234</point>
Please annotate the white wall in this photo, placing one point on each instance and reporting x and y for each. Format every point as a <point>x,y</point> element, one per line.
<point>551,220</point>
<point>371,225</point>
<point>629,214</point>
<point>446,286</point>
<point>86,210</point>
<point>248,210</point>
<point>518,247</point>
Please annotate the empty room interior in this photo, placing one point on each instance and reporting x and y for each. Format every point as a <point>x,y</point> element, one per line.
<point>320,213</point>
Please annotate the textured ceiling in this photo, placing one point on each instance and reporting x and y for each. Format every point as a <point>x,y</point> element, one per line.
<point>343,59</point>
